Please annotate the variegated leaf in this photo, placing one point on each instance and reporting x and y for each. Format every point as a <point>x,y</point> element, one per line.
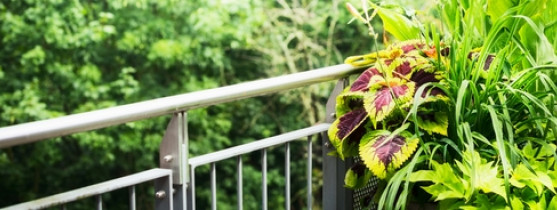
<point>382,100</point>
<point>383,153</point>
<point>366,79</point>
<point>346,131</point>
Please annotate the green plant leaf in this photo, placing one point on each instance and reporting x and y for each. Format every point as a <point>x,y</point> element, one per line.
<point>553,203</point>
<point>422,175</point>
<point>442,192</point>
<point>516,203</point>
<point>522,177</point>
<point>496,8</point>
<point>384,152</point>
<point>485,174</point>
<point>357,176</point>
<point>433,121</point>
<point>397,24</point>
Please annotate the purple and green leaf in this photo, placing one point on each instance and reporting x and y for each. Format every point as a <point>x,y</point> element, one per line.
<point>348,101</point>
<point>366,79</point>
<point>381,102</point>
<point>383,153</point>
<point>346,131</point>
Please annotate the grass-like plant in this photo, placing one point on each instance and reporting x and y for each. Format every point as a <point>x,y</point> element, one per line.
<point>460,111</point>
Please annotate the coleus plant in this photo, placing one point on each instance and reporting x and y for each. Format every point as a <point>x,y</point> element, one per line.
<point>498,108</point>
<point>372,122</point>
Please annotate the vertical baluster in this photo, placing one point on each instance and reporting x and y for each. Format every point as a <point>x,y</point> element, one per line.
<point>287,175</point>
<point>192,187</point>
<point>239,184</point>
<point>213,186</point>
<point>264,179</point>
<point>310,151</point>
<point>132,197</point>
<point>99,202</point>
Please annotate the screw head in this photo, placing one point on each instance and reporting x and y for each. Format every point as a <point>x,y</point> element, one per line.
<point>168,158</point>
<point>160,194</point>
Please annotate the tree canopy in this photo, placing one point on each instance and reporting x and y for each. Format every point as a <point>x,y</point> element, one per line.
<point>63,57</point>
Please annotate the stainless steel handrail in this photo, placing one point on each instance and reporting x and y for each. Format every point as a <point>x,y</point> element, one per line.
<point>257,145</point>
<point>96,189</point>
<point>38,130</point>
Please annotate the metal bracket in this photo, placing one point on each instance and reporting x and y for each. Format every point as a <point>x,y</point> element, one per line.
<point>334,168</point>
<point>173,154</point>
<point>170,151</point>
<point>163,193</point>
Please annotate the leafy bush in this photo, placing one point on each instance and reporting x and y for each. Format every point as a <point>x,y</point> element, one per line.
<point>64,57</point>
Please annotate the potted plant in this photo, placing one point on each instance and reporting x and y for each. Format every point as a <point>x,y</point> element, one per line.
<point>461,113</point>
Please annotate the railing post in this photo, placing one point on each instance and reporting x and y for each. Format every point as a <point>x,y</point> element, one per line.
<point>335,195</point>
<point>173,154</point>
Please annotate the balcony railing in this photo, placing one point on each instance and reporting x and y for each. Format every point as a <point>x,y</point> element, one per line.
<point>175,179</point>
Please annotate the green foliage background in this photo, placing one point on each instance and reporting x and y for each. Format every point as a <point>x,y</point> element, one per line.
<point>63,57</point>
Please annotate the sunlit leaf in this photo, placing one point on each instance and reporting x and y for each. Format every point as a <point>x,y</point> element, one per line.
<point>433,121</point>
<point>368,77</point>
<point>397,24</point>
<point>348,101</point>
<point>422,176</point>
<point>536,180</point>
<point>343,127</point>
<point>381,101</point>
<point>384,153</point>
<point>441,192</point>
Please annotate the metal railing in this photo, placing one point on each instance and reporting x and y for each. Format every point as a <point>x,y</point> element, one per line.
<point>175,179</point>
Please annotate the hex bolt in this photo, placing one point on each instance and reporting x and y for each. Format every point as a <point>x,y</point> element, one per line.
<point>168,158</point>
<point>160,194</point>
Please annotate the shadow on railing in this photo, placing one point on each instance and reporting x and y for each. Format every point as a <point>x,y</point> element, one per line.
<point>175,179</point>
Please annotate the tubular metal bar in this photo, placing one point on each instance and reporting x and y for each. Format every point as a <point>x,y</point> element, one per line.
<point>99,202</point>
<point>213,187</point>
<point>264,179</point>
<point>34,131</point>
<point>257,145</point>
<point>94,189</point>
<point>287,175</point>
<point>309,166</point>
<point>239,183</point>
<point>132,197</point>
<point>191,189</point>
